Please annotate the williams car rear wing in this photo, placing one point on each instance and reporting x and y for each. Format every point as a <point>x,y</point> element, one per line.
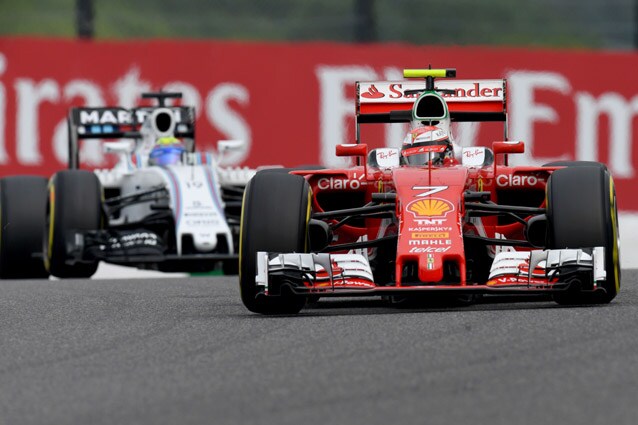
<point>116,123</point>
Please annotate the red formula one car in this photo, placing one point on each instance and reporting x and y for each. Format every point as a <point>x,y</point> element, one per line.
<point>430,218</point>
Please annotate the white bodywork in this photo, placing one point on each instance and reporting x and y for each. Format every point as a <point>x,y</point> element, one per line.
<point>387,158</point>
<point>194,189</point>
<point>473,156</point>
<point>330,268</point>
<point>540,263</point>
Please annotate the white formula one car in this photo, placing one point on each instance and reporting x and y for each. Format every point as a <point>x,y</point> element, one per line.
<point>163,206</point>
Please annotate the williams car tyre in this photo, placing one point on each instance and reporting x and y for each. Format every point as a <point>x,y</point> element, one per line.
<point>75,203</point>
<point>275,216</point>
<point>582,212</point>
<point>22,214</point>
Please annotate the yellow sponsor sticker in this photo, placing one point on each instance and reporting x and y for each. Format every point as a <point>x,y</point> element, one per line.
<point>430,235</point>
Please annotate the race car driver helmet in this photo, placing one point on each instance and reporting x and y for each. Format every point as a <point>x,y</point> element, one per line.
<point>425,143</point>
<point>167,151</point>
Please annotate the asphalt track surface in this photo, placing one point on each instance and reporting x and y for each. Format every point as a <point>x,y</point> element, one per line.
<point>184,351</point>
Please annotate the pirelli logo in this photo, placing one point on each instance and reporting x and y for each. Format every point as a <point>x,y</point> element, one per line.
<point>430,235</point>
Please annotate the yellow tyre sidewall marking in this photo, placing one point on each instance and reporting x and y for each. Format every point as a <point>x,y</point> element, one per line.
<point>241,229</point>
<point>47,258</point>
<point>306,244</point>
<point>103,219</point>
<point>614,225</point>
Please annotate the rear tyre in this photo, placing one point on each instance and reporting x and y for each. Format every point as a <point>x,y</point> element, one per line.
<point>275,216</point>
<point>582,213</point>
<point>75,204</point>
<point>22,215</point>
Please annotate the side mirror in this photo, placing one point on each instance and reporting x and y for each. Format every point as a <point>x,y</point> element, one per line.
<point>123,149</point>
<point>352,149</point>
<point>508,147</point>
<point>117,147</point>
<point>226,146</point>
<point>229,145</point>
<point>505,148</point>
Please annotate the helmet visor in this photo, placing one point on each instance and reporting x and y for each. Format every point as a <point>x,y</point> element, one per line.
<point>166,155</point>
<point>423,152</point>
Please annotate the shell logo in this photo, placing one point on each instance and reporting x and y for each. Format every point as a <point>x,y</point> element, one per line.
<point>431,207</point>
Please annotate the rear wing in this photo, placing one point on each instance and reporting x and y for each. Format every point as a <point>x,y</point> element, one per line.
<point>116,123</point>
<point>467,100</point>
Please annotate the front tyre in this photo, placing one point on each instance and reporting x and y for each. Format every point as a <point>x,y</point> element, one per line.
<point>75,204</point>
<point>274,218</point>
<point>582,213</point>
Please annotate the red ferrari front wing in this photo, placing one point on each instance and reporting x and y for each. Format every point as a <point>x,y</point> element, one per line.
<point>537,271</point>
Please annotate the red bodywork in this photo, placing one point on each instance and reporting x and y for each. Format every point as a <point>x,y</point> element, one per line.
<point>430,215</point>
<point>453,222</point>
<point>450,218</point>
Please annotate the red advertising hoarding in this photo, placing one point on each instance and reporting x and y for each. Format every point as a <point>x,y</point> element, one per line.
<point>294,102</point>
